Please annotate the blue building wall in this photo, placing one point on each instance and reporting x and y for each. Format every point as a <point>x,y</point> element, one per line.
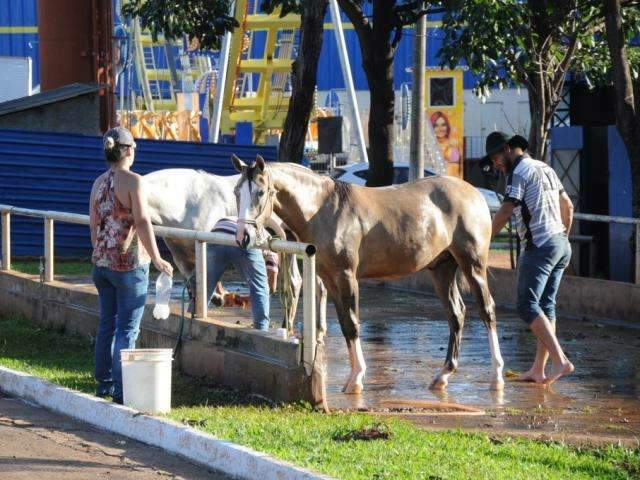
<point>23,13</point>
<point>16,16</point>
<point>330,74</point>
<point>621,259</point>
<point>48,171</point>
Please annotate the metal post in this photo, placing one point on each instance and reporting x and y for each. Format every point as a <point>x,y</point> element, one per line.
<point>223,65</point>
<point>6,241</point>
<point>637,253</point>
<point>348,79</point>
<point>201,279</point>
<point>224,87</point>
<point>416,153</point>
<point>48,249</point>
<point>140,65</point>
<point>309,312</point>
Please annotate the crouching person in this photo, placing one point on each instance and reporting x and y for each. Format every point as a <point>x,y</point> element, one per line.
<point>259,269</point>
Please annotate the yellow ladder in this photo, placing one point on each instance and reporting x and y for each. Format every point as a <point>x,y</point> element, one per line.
<point>149,75</point>
<point>267,106</point>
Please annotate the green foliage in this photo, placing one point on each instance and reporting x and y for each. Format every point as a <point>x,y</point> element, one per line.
<point>508,42</point>
<point>288,6</point>
<point>594,65</point>
<point>344,445</point>
<point>206,20</point>
<point>408,11</point>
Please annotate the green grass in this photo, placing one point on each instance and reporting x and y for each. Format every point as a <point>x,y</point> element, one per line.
<point>61,267</point>
<point>322,442</point>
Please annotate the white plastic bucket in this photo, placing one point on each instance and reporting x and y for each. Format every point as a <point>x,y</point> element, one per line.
<point>146,379</point>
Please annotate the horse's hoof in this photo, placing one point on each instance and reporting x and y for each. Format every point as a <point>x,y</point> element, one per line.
<point>439,384</point>
<point>497,385</point>
<point>353,388</point>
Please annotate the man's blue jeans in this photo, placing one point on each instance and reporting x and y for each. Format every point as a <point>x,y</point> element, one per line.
<point>250,263</point>
<point>540,271</point>
<point>122,299</point>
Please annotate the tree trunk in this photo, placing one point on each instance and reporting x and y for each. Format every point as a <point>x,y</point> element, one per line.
<point>379,71</point>
<point>377,56</point>
<point>303,79</point>
<point>539,129</point>
<point>627,119</point>
<point>541,110</point>
<point>537,132</point>
<point>377,49</point>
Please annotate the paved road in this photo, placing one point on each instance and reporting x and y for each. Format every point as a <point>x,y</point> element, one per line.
<point>36,443</point>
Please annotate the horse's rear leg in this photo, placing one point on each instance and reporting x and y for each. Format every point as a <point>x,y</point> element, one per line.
<point>476,274</point>
<point>345,295</point>
<point>444,279</point>
<point>291,285</point>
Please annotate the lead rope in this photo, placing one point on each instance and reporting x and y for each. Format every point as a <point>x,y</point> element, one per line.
<point>41,269</point>
<point>178,346</point>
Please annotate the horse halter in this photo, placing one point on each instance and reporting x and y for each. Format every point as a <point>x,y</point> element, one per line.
<point>268,205</point>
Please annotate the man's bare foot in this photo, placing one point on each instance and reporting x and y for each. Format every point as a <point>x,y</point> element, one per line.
<point>531,377</point>
<point>558,371</point>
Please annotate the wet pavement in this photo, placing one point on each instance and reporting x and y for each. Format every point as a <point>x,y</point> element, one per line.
<point>404,339</point>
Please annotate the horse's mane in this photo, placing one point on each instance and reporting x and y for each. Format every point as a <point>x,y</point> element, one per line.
<point>342,189</point>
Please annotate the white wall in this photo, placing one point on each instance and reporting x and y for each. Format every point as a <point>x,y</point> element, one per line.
<point>506,110</point>
<point>15,77</point>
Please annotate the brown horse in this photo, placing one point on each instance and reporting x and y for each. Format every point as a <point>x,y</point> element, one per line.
<point>441,223</point>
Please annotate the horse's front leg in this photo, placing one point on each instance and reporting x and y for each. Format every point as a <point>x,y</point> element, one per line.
<point>346,298</point>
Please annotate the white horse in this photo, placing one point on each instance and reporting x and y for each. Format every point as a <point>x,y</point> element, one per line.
<point>196,200</point>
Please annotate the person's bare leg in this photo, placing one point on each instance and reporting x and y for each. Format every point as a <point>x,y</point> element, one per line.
<point>561,365</point>
<point>536,372</point>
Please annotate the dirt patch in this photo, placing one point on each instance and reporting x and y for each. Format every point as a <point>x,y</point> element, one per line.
<point>375,432</point>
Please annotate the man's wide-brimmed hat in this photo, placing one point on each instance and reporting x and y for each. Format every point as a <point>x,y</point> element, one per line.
<point>496,142</point>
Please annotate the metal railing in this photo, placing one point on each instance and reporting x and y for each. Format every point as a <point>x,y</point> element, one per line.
<point>589,217</point>
<point>306,251</point>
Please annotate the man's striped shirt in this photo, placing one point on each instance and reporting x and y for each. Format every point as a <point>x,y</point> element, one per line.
<point>230,225</point>
<point>534,187</point>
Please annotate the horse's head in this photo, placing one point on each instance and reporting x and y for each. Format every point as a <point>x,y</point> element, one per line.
<point>254,195</point>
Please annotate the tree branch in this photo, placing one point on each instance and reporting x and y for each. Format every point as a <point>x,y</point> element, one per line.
<point>409,13</point>
<point>525,77</point>
<point>357,17</point>
<point>558,78</point>
<point>397,36</point>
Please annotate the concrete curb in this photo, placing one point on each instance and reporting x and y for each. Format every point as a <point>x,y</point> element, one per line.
<point>199,447</point>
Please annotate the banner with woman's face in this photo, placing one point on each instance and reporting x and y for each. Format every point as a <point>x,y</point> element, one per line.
<point>444,98</point>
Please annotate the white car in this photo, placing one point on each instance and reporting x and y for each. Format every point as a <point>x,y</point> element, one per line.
<point>356,173</point>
